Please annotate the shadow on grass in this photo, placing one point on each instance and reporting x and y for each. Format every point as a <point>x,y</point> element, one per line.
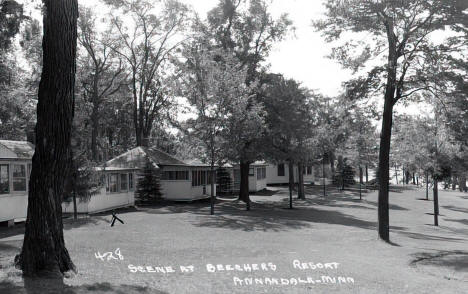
<point>264,192</point>
<point>69,224</point>
<point>456,208</point>
<point>49,285</point>
<point>340,198</point>
<point>462,221</point>
<point>12,231</point>
<point>456,260</point>
<point>264,216</point>
<point>419,236</point>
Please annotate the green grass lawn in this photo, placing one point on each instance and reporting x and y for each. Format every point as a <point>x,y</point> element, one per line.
<point>331,237</point>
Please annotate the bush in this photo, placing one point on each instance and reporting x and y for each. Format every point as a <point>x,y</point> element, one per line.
<point>148,190</point>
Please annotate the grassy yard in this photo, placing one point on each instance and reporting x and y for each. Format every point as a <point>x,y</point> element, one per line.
<point>326,244</point>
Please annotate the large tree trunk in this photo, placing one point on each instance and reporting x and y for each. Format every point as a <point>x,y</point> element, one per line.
<point>291,182</point>
<point>244,183</point>
<point>300,189</point>
<point>384,156</point>
<point>44,246</point>
<point>436,202</point>
<point>386,134</point>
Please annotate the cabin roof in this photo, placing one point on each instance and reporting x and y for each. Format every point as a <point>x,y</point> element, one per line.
<point>138,157</point>
<point>22,149</point>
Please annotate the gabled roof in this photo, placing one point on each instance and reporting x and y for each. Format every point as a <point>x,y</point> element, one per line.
<point>137,158</point>
<point>20,149</point>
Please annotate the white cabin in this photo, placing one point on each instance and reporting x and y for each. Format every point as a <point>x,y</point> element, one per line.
<point>15,168</point>
<point>278,173</point>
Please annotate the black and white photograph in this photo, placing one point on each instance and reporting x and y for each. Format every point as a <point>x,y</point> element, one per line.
<point>233,146</point>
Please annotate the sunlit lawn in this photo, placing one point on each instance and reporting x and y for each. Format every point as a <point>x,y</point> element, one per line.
<point>338,228</point>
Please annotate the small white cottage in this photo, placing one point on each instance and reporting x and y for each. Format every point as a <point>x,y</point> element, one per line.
<point>179,180</point>
<point>278,173</point>
<point>15,168</point>
<point>257,176</point>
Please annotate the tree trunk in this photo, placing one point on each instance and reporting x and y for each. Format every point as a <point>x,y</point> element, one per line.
<point>43,248</point>
<point>212,183</point>
<point>436,202</point>
<point>300,190</point>
<point>427,185</point>
<point>367,175</point>
<point>360,182</point>
<point>94,132</point>
<point>407,178</point>
<point>403,175</point>
<point>291,182</point>
<point>244,183</point>
<point>454,183</point>
<point>323,178</point>
<point>462,183</point>
<point>396,173</point>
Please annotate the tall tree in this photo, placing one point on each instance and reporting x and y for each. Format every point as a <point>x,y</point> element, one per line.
<point>147,36</point>
<point>247,28</point>
<point>44,245</point>
<point>289,123</point>
<point>402,30</point>
<point>101,72</point>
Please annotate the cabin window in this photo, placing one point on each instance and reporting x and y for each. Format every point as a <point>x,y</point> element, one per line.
<point>4,179</point>
<point>281,170</point>
<point>182,175</point>
<point>200,178</point>
<point>251,171</point>
<point>123,182</point>
<point>19,177</point>
<point>309,170</point>
<point>172,175</point>
<point>130,181</point>
<point>113,183</point>
<point>261,173</point>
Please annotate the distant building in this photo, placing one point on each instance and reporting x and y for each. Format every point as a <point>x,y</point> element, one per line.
<point>278,173</point>
<point>179,180</point>
<point>15,168</point>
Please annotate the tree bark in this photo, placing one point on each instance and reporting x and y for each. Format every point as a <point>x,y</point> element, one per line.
<point>244,183</point>
<point>94,132</point>
<point>291,182</point>
<point>462,183</point>
<point>427,185</point>
<point>323,177</point>
<point>300,190</point>
<point>212,198</point>
<point>367,174</point>
<point>396,173</point>
<point>44,248</point>
<point>360,182</point>
<point>436,202</point>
